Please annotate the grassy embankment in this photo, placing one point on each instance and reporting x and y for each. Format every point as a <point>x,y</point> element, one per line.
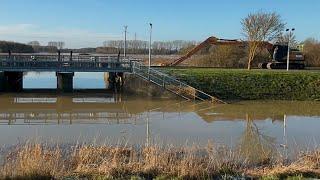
<point>38,161</point>
<point>239,84</point>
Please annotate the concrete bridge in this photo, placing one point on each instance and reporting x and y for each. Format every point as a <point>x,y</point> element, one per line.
<point>12,67</point>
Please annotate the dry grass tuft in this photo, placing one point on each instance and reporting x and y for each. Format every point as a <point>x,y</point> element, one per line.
<point>33,160</point>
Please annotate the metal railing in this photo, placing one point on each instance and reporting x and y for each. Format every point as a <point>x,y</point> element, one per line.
<point>54,63</point>
<point>171,84</point>
<point>62,57</point>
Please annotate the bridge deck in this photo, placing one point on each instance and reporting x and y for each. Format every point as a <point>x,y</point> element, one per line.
<point>65,63</point>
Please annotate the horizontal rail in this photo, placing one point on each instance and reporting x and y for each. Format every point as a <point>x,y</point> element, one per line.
<point>65,66</point>
<point>51,57</point>
<point>171,84</point>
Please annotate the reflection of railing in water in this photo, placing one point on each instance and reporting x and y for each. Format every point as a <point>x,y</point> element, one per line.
<point>35,100</point>
<point>21,100</point>
<point>38,118</point>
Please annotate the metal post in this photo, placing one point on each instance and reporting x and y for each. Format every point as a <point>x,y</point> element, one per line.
<point>289,39</point>
<point>288,55</point>
<point>125,41</point>
<point>150,43</point>
<point>164,81</point>
<point>9,52</point>
<point>70,55</point>
<point>59,55</point>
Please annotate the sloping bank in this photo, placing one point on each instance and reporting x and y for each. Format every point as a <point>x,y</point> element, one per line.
<point>231,84</point>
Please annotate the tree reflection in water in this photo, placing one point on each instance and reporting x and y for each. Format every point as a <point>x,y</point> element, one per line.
<point>254,146</point>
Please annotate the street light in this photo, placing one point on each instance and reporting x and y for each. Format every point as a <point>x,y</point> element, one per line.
<point>150,43</point>
<point>125,41</point>
<point>290,31</point>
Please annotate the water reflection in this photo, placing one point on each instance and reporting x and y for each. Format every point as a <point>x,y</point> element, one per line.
<point>62,110</point>
<point>256,146</point>
<point>256,128</point>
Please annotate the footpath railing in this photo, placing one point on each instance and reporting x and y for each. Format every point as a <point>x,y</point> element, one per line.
<point>171,84</point>
<point>64,63</point>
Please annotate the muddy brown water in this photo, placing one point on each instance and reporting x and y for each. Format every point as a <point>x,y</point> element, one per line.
<point>99,116</point>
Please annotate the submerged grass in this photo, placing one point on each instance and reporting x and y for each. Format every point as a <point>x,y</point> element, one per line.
<point>40,161</point>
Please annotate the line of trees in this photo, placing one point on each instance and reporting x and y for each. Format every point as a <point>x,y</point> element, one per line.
<point>14,47</point>
<point>141,47</point>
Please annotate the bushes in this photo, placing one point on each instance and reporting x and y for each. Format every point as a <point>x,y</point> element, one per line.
<point>222,56</point>
<point>251,85</point>
<point>312,52</point>
<point>5,46</point>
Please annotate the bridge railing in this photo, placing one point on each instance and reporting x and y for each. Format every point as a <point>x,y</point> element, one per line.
<point>84,66</point>
<point>62,57</point>
<point>171,84</point>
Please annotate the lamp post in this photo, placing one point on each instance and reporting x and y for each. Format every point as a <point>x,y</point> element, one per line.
<point>150,43</point>
<point>290,31</point>
<point>125,41</point>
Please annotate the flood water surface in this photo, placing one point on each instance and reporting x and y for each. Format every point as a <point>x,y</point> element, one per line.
<point>106,117</point>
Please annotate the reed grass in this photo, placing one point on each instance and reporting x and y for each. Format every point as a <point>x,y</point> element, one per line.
<point>42,161</point>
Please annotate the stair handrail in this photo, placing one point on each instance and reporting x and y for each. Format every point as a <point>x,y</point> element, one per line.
<point>165,78</point>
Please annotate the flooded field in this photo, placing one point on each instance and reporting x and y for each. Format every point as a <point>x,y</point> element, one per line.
<point>99,116</point>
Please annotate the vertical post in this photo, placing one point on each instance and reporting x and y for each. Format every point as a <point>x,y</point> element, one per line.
<point>135,43</point>
<point>59,55</point>
<point>150,43</point>
<point>288,55</point>
<point>164,81</point>
<point>9,52</point>
<point>71,55</point>
<point>289,43</point>
<point>125,41</point>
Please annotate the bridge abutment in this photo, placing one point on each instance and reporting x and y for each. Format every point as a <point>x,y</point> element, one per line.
<point>65,81</point>
<point>115,80</point>
<point>2,81</point>
<point>11,81</point>
<point>111,80</point>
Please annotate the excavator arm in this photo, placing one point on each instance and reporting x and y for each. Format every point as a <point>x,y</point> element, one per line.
<point>210,41</point>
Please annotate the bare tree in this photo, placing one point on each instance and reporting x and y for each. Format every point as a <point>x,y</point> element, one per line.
<point>259,28</point>
<point>58,44</point>
<point>283,39</point>
<point>34,43</point>
<point>311,49</point>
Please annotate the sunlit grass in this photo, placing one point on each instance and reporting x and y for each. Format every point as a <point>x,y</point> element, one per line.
<point>42,161</point>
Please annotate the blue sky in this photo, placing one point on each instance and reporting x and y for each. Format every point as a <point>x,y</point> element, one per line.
<point>82,23</point>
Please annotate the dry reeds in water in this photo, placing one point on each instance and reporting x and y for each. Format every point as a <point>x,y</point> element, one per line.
<point>37,160</point>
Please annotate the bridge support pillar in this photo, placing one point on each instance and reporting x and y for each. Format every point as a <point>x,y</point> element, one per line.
<point>111,80</point>
<point>116,81</point>
<point>11,81</point>
<point>2,81</point>
<point>65,81</point>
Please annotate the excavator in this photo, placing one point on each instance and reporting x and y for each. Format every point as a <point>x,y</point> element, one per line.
<point>277,51</point>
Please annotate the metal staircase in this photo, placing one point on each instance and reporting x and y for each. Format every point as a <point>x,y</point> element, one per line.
<point>171,84</point>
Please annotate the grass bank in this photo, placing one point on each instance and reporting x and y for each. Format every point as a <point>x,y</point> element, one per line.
<point>236,84</point>
<point>40,161</point>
